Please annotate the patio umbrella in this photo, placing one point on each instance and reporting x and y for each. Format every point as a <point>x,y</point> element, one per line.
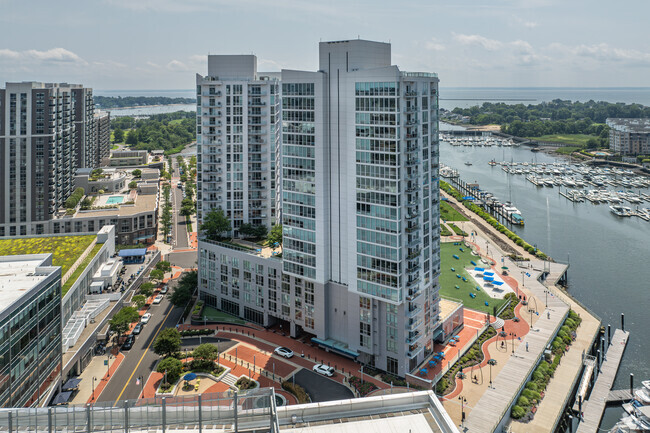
<point>477,269</point>
<point>488,278</point>
<point>497,283</point>
<point>489,273</point>
<point>189,376</point>
<point>504,267</point>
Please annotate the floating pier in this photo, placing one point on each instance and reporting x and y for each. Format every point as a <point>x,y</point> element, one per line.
<point>594,407</point>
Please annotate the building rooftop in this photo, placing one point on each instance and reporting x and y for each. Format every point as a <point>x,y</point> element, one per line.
<point>19,274</point>
<point>447,307</point>
<point>639,126</point>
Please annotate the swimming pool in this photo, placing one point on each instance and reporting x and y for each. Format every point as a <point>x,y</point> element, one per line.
<point>115,199</point>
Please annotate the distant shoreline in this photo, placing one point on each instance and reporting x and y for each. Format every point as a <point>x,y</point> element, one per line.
<point>141,106</point>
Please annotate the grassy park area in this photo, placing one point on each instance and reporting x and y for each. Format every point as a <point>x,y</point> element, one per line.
<point>448,213</point>
<point>210,313</point>
<point>65,249</point>
<point>449,279</point>
<point>572,139</point>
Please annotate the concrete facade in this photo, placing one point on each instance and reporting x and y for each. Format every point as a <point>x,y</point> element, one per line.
<point>359,197</point>
<point>629,136</point>
<point>46,133</point>
<point>237,139</point>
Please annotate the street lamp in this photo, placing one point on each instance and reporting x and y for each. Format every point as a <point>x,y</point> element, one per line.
<point>513,335</point>
<point>93,386</point>
<point>463,400</point>
<point>546,297</point>
<point>491,362</point>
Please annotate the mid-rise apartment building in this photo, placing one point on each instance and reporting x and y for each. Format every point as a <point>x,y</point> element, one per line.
<point>360,213</point>
<point>237,139</point>
<point>629,136</point>
<point>102,122</point>
<point>30,327</point>
<point>46,133</point>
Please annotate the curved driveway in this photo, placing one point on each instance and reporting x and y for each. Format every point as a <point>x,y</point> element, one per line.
<point>321,388</point>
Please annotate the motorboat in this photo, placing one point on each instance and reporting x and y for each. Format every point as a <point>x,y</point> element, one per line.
<point>643,394</point>
<point>622,211</point>
<point>468,163</point>
<point>513,214</point>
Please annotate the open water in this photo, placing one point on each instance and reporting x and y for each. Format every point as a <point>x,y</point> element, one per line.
<point>608,256</point>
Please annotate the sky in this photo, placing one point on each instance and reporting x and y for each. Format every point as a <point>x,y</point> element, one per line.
<point>162,44</point>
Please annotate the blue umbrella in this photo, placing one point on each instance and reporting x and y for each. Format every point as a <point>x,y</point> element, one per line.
<point>469,198</point>
<point>488,278</point>
<point>497,283</point>
<point>479,269</point>
<point>488,273</point>
<point>189,376</point>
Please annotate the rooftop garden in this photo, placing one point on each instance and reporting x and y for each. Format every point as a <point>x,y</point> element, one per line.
<point>77,272</point>
<point>65,249</point>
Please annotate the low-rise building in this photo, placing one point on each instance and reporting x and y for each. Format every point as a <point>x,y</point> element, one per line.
<point>129,158</point>
<point>106,180</point>
<point>30,327</point>
<point>629,136</point>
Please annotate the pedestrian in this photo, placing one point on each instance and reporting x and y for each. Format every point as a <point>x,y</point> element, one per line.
<point>526,346</point>
<point>548,314</point>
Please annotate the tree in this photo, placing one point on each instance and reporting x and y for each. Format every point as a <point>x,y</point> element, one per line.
<point>146,289</point>
<point>157,274</point>
<point>164,266</point>
<point>275,235</point>
<point>204,356</point>
<point>137,172</point>
<point>592,143</point>
<point>132,137</point>
<point>133,184</point>
<point>118,135</point>
<point>185,289</point>
<point>173,367</point>
<point>139,301</point>
<point>215,223</point>
<point>168,342</point>
<point>121,321</point>
<point>187,210</point>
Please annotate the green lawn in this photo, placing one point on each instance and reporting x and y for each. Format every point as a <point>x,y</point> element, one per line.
<point>457,230</point>
<point>65,249</point>
<point>77,272</point>
<point>449,280</point>
<point>212,314</point>
<point>444,231</point>
<point>573,139</point>
<point>568,150</point>
<point>448,213</point>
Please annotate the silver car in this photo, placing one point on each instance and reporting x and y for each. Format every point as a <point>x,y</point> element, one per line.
<point>324,370</point>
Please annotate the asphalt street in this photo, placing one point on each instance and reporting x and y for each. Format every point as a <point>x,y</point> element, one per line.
<point>185,259</point>
<point>140,360</point>
<point>179,232</point>
<point>321,388</point>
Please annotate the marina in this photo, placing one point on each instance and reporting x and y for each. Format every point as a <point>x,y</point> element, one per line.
<point>579,233</point>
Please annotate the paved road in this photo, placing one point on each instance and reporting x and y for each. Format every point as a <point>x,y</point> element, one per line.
<point>186,259</point>
<point>321,388</point>
<point>222,344</point>
<point>140,360</point>
<point>179,231</point>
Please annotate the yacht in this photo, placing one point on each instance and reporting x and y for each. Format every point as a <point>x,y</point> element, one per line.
<point>643,394</point>
<point>513,214</point>
<point>622,211</point>
<point>638,421</point>
<point>468,163</point>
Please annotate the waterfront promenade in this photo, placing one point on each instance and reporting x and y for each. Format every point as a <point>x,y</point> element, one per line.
<point>494,403</point>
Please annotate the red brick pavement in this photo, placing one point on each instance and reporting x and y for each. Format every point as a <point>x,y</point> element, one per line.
<point>261,360</point>
<point>104,381</point>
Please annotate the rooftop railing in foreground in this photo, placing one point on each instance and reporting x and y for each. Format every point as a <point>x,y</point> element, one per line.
<point>224,410</point>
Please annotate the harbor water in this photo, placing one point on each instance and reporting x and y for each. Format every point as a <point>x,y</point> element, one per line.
<point>608,255</point>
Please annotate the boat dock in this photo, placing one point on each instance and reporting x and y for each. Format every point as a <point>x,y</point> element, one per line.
<point>594,407</point>
<point>619,396</point>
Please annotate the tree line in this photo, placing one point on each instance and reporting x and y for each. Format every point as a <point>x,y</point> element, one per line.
<point>170,131</point>
<point>106,102</point>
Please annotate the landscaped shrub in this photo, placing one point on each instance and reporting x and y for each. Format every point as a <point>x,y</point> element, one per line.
<point>74,199</point>
<point>441,386</point>
<point>523,401</point>
<point>244,383</point>
<point>532,386</point>
<point>364,387</point>
<point>296,390</point>
<point>517,412</point>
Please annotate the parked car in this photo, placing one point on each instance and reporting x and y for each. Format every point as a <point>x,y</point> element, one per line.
<point>128,344</point>
<point>138,329</point>
<point>145,318</point>
<point>158,299</point>
<point>284,351</point>
<point>324,370</point>
<point>164,289</point>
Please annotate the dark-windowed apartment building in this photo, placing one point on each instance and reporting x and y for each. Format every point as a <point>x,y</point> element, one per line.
<point>30,328</point>
<point>47,132</point>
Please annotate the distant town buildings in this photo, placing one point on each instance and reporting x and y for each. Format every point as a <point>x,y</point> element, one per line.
<point>629,136</point>
<point>238,132</point>
<point>358,188</point>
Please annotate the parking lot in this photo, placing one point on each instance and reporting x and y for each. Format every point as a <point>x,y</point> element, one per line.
<point>320,388</point>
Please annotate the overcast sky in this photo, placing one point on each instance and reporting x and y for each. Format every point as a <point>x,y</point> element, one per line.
<point>161,44</point>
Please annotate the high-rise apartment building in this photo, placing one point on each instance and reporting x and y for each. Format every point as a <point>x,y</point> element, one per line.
<point>237,138</point>
<point>360,212</point>
<point>44,137</point>
<point>102,120</point>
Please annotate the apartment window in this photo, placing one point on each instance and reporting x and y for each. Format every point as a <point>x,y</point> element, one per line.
<point>392,365</point>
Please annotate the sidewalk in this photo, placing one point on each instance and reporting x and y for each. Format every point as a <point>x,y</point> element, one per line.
<point>97,370</point>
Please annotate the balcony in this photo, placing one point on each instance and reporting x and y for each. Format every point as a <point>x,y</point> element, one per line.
<point>413,269</point>
<point>414,254</point>
<point>412,214</point>
<point>411,109</point>
<point>412,161</point>
<point>412,188</point>
<point>410,94</point>
<point>413,294</point>
<point>413,283</point>
<point>412,228</point>
<point>415,351</point>
<point>413,324</point>
<point>414,338</point>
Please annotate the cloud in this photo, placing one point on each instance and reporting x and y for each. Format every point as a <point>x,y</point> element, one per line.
<point>434,45</point>
<point>192,6</point>
<point>524,23</point>
<point>54,55</point>
<point>478,40</point>
<point>602,52</point>
<point>177,66</point>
